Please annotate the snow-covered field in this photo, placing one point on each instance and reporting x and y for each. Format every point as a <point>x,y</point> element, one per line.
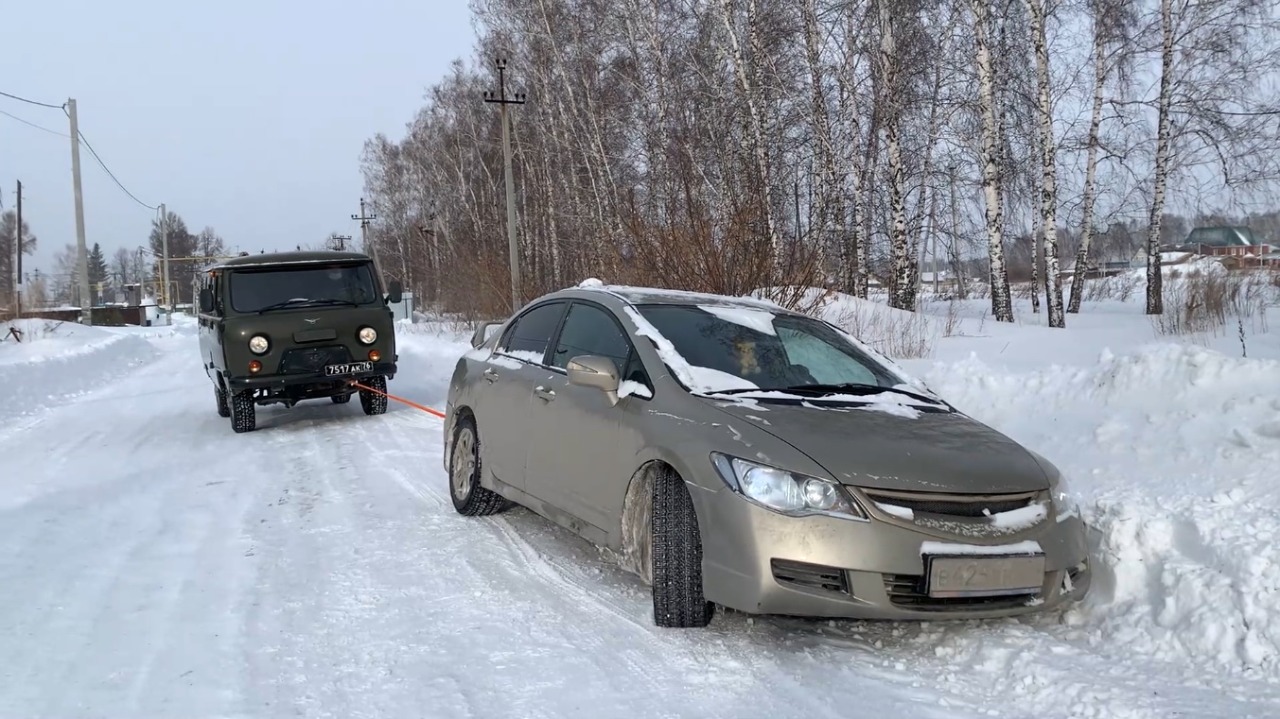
<point>157,565</point>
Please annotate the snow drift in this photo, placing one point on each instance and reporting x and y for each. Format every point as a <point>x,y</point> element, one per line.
<point>1172,450</point>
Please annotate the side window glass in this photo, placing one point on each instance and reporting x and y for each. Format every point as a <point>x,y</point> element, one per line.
<point>530,334</point>
<point>591,331</point>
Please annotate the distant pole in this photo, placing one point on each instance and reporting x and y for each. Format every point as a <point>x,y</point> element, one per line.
<point>167,300</point>
<point>955,239</point>
<point>18,242</point>
<point>341,240</point>
<point>364,237</point>
<point>82,262</point>
<point>502,101</point>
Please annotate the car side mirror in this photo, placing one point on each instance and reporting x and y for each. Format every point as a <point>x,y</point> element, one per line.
<point>395,292</point>
<point>595,372</point>
<point>482,334</point>
<point>206,300</point>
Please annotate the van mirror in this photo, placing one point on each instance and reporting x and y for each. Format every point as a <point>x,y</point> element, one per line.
<point>206,300</point>
<point>395,292</point>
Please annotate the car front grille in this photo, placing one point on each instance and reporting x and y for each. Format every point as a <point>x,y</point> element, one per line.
<point>310,360</point>
<point>955,505</point>
<point>810,576</point>
<point>908,592</point>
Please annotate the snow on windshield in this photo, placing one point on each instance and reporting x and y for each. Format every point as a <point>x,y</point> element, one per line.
<point>757,320</point>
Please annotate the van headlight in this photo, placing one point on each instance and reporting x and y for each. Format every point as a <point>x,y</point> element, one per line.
<point>259,345</point>
<point>367,335</point>
<point>789,493</point>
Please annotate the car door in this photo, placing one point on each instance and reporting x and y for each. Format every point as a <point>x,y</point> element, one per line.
<point>582,448</point>
<point>502,406</point>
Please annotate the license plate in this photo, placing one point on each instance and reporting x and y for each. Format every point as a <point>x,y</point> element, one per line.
<point>349,368</point>
<point>985,576</point>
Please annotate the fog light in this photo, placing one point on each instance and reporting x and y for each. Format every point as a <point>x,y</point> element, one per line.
<point>374,355</point>
<point>255,367</point>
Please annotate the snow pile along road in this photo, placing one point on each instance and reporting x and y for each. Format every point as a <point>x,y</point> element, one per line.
<point>57,361</point>
<point>1172,451</point>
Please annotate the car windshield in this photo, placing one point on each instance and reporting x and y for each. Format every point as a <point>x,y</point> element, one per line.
<point>283,287</point>
<point>746,348</point>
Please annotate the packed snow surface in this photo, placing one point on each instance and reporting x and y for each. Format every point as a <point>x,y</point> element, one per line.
<point>157,564</point>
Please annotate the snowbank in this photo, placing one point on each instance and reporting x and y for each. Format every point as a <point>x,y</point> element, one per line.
<point>58,360</point>
<point>1172,450</point>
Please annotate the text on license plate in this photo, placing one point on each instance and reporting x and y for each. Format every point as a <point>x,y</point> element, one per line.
<point>985,575</point>
<point>349,368</point>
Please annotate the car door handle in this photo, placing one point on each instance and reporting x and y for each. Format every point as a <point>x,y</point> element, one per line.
<point>544,393</point>
<point>490,375</point>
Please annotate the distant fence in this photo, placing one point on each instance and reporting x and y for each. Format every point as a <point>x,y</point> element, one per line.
<point>106,316</point>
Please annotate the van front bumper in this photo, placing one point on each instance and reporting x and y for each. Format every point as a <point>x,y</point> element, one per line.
<point>282,381</point>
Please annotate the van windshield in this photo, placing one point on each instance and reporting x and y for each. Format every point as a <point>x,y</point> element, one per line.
<point>286,287</point>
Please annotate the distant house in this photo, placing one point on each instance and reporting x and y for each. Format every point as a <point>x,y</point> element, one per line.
<point>1238,245</point>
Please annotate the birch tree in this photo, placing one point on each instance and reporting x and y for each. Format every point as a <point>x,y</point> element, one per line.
<point>1001,301</point>
<point>1039,11</point>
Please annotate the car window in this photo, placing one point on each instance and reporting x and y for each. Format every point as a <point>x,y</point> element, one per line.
<point>799,351</point>
<point>589,330</point>
<point>528,337</point>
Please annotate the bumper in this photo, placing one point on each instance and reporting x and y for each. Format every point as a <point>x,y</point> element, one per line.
<point>283,381</point>
<point>760,562</point>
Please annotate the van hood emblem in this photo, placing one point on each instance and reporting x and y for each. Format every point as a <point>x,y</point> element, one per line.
<point>310,320</point>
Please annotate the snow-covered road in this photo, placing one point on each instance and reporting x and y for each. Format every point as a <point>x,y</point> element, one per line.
<point>155,564</point>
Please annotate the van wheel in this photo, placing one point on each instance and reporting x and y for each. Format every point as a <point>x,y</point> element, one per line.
<point>243,412</point>
<point>372,402</point>
<point>341,398</point>
<point>220,397</point>
<point>676,556</point>
<point>469,498</point>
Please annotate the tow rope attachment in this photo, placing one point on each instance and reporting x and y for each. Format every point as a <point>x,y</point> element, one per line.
<point>415,405</point>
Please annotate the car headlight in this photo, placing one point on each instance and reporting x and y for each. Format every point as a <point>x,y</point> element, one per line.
<point>786,492</point>
<point>1065,502</point>
<point>367,335</point>
<point>258,344</point>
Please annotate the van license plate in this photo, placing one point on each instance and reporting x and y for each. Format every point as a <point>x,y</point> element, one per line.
<point>349,368</point>
<point>985,576</point>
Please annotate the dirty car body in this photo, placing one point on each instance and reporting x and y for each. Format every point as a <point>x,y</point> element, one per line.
<point>733,453</point>
<point>281,328</point>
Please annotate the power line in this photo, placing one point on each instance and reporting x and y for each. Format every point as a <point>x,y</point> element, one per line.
<point>104,167</point>
<point>32,124</point>
<point>32,102</point>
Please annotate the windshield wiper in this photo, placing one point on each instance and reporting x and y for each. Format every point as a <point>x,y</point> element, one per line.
<point>305,302</point>
<point>857,388</point>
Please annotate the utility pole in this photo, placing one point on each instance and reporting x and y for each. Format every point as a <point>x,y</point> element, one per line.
<point>18,242</point>
<point>342,240</point>
<point>164,262</point>
<point>82,263</point>
<point>955,239</point>
<point>364,238</point>
<point>502,101</point>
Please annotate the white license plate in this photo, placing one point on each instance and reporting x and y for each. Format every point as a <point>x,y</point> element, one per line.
<point>985,576</point>
<point>349,368</point>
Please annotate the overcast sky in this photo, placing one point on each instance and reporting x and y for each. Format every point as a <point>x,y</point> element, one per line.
<point>246,116</point>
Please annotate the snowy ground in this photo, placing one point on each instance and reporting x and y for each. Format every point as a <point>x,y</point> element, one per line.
<point>158,565</point>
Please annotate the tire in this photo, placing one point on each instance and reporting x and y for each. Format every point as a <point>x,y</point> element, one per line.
<point>469,498</point>
<point>372,402</point>
<point>243,412</point>
<point>678,600</point>
<point>220,397</point>
<point>341,398</point>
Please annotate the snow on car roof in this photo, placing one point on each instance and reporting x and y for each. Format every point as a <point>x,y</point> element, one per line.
<point>657,295</point>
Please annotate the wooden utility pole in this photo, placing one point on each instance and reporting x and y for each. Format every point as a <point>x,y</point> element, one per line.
<point>82,263</point>
<point>341,240</point>
<point>502,101</point>
<point>364,238</point>
<point>18,243</point>
<point>164,262</point>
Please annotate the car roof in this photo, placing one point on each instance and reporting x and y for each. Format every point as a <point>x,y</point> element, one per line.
<point>632,296</point>
<point>289,258</point>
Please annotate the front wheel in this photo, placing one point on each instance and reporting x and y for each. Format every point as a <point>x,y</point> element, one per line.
<point>220,398</point>
<point>244,416</point>
<point>469,498</point>
<point>374,402</point>
<point>676,556</point>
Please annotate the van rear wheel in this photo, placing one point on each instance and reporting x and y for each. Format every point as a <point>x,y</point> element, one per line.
<point>220,398</point>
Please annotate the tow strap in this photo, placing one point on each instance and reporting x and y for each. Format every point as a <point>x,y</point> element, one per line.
<point>415,405</point>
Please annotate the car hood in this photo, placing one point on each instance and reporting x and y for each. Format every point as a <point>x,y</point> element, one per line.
<point>866,445</point>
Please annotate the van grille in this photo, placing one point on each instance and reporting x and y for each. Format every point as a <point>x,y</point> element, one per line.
<point>310,360</point>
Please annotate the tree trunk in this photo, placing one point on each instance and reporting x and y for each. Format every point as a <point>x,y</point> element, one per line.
<point>1001,302</point>
<point>1155,294</point>
<point>1048,162</point>
<point>1091,167</point>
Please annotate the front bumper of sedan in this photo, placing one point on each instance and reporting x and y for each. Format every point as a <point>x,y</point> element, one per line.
<point>761,562</point>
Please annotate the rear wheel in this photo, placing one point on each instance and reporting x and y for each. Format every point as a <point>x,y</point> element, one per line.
<point>374,402</point>
<point>244,416</point>
<point>469,498</point>
<point>676,556</point>
<point>220,397</point>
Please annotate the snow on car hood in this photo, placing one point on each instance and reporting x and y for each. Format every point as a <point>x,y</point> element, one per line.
<point>932,452</point>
